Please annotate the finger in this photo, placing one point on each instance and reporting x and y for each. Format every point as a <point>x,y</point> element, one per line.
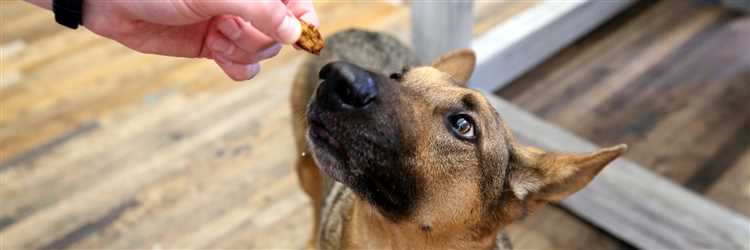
<point>267,53</point>
<point>243,34</point>
<point>238,72</point>
<point>304,10</point>
<point>220,45</point>
<point>223,48</point>
<point>270,17</point>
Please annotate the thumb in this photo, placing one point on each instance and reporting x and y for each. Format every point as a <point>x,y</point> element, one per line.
<point>270,17</point>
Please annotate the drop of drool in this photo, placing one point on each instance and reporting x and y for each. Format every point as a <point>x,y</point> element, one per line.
<point>304,154</point>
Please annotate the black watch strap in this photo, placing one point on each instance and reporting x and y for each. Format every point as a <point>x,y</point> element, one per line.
<point>68,12</point>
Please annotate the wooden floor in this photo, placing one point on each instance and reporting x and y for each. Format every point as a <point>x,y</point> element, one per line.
<point>671,79</point>
<point>102,147</point>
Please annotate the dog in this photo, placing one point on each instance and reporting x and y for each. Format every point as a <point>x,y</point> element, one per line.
<point>399,156</point>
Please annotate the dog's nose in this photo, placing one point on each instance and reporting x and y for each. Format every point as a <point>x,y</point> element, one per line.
<point>353,85</point>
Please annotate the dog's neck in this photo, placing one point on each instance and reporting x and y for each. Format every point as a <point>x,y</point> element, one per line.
<point>368,229</point>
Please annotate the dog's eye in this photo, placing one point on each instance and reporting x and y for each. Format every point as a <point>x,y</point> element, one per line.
<point>463,126</point>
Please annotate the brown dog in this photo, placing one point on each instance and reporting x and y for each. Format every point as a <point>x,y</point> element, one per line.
<point>411,158</point>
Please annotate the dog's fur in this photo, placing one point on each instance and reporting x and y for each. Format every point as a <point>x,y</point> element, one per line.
<point>397,176</point>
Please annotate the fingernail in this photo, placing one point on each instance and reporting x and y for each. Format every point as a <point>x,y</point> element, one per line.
<point>253,70</point>
<point>230,28</point>
<point>221,45</point>
<point>289,30</point>
<point>310,18</point>
<point>270,51</point>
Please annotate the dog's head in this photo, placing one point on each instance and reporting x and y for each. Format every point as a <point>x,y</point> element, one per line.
<point>425,150</point>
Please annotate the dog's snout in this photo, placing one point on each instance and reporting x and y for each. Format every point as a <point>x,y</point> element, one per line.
<point>352,84</point>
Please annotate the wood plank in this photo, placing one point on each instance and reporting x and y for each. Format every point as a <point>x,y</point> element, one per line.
<point>685,116</point>
<point>12,9</point>
<point>628,201</point>
<point>733,189</point>
<point>74,212</point>
<point>522,42</point>
<point>29,24</point>
<point>553,227</point>
<point>647,58</point>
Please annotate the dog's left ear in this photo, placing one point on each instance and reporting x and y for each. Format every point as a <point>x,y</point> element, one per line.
<point>539,177</point>
<point>459,64</point>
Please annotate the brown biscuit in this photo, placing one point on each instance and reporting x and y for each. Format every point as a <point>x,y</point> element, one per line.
<point>310,40</point>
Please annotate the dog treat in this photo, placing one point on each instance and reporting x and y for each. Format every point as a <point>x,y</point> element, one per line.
<point>310,40</point>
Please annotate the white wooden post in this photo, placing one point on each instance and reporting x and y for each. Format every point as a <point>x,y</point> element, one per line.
<point>441,26</point>
<point>517,45</point>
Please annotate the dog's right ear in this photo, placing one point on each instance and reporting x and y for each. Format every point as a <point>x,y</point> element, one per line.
<point>538,177</point>
<point>459,64</point>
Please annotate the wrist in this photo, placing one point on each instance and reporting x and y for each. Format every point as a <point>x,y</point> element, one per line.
<point>47,4</point>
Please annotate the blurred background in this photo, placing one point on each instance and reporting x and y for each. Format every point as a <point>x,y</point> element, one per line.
<point>103,147</point>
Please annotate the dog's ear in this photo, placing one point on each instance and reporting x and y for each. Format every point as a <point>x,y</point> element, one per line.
<point>538,177</point>
<point>459,64</point>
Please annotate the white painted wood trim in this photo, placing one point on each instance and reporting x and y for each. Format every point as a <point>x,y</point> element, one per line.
<point>442,26</point>
<point>627,200</point>
<point>520,43</point>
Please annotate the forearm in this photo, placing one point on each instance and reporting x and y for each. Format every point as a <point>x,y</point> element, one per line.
<point>47,4</point>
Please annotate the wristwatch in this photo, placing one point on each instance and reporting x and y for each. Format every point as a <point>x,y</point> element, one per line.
<point>68,13</point>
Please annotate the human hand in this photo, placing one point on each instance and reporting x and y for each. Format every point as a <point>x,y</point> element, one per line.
<point>236,34</point>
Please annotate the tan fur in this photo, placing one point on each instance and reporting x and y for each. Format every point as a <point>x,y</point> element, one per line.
<point>309,176</point>
<point>452,214</point>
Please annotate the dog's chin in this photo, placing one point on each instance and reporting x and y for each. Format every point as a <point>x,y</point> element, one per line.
<point>328,153</point>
